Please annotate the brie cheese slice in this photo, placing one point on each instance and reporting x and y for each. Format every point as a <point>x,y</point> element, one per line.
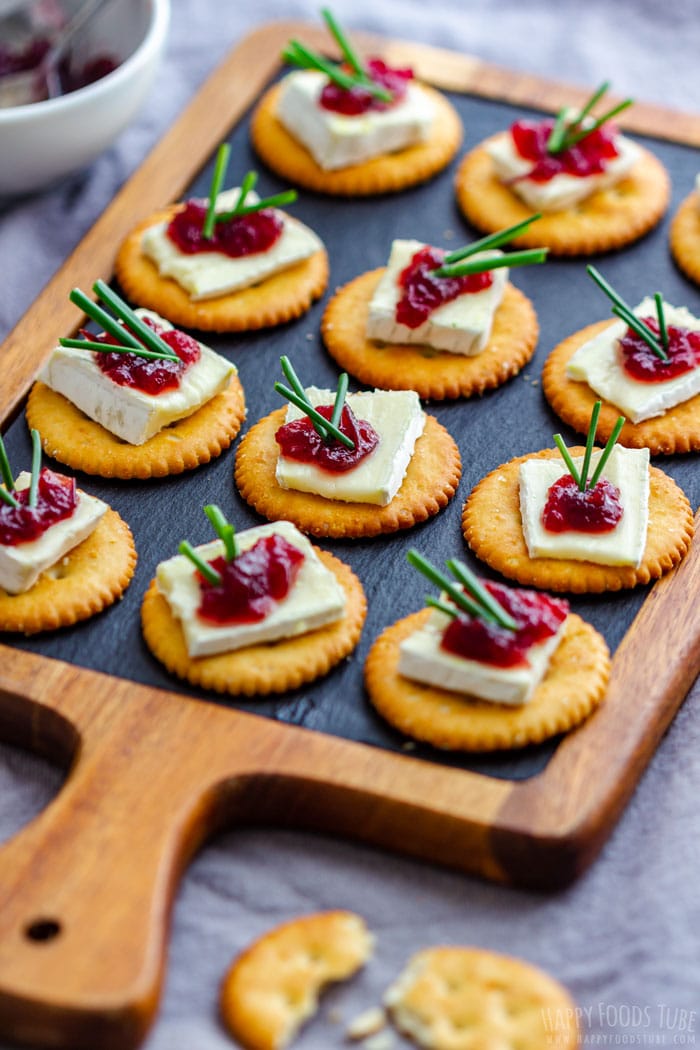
<point>315,599</point>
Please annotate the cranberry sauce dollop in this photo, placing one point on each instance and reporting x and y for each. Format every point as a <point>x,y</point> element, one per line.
<point>299,440</point>
<point>567,509</point>
<point>641,363</point>
<point>244,235</point>
<point>151,376</point>
<point>351,102</point>
<point>251,584</point>
<point>587,157</point>
<point>422,292</point>
<point>538,617</point>
<point>56,500</point>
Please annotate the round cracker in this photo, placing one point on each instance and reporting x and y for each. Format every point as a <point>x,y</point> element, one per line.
<point>275,300</point>
<point>269,667</point>
<point>431,373</point>
<point>385,174</point>
<point>608,219</point>
<point>492,527</point>
<point>684,237</point>
<point>474,999</point>
<point>273,986</point>
<point>429,484</point>
<point>88,579</point>
<point>676,431</point>
<point>69,436</point>
<point>572,687</point>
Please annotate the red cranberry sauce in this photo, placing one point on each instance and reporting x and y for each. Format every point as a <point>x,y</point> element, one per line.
<point>244,235</point>
<point>56,500</point>
<point>253,583</point>
<point>641,363</point>
<point>151,376</point>
<point>590,156</point>
<point>352,102</point>
<point>22,60</point>
<point>569,510</point>
<point>537,615</point>
<point>422,292</point>
<point>300,441</point>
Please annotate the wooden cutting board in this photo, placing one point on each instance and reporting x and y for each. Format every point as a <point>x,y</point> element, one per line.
<point>87,887</point>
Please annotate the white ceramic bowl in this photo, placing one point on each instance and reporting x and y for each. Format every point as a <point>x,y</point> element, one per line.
<point>43,141</point>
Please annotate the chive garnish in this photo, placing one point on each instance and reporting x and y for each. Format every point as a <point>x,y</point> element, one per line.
<point>110,348</point>
<point>524,258</point>
<point>349,53</point>
<point>590,438</point>
<point>133,334</point>
<point>221,164</point>
<point>8,498</point>
<point>297,54</point>
<point>481,605</point>
<point>566,456</point>
<point>450,267</point>
<point>324,428</point>
<point>277,200</point>
<point>566,134</point>
<point>223,529</point>
<point>606,451</point>
<point>143,333</point>
<point>661,318</point>
<point>626,314</point>
<point>208,572</point>
<point>340,394</point>
<point>581,477</point>
<point>5,468</point>
<point>36,467</point>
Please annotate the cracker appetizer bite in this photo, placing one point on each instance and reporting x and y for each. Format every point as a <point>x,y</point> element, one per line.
<point>446,325</point>
<point>64,555</point>
<point>684,236</point>
<point>486,667</point>
<point>645,365</point>
<point>229,263</point>
<point>347,466</point>
<point>139,400</point>
<point>260,612</point>
<point>353,129</point>
<point>579,519</point>
<point>599,190</point>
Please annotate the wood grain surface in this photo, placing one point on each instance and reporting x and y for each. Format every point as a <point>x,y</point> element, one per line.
<point>87,887</point>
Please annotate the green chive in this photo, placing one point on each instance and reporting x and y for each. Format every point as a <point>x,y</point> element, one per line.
<point>626,314</point>
<point>593,101</point>
<point>557,134</point>
<point>571,466</point>
<point>5,468</point>
<point>445,607</point>
<point>299,55</point>
<point>468,580</point>
<point>146,335</point>
<point>8,498</point>
<point>223,529</point>
<point>348,52</point>
<point>583,482</point>
<point>447,585</point>
<point>36,467</point>
<point>249,180</point>
<point>208,572</point>
<point>110,348</point>
<point>524,258</point>
<point>573,139</point>
<point>493,240</point>
<point>663,330</point>
<point>563,136</point>
<point>104,319</point>
<point>298,388</point>
<point>607,450</point>
<point>340,393</point>
<point>277,200</point>
<point>313,415</point>
<point>220,166</point>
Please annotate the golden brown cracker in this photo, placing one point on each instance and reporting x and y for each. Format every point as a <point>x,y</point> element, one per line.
<point>457,998</point>
<point>274,985</point>
<point>430,483</point>
<point>684,237</point>
<point>609,219</point>
<point>434,374</point>
<point>267,667</point>
<point>676,431</point>
<point>492,527</point>
<point>573,686</point>
<point>69,436</point>
<point>84,582</point>
<point>275,300</point>
<point>386,174</point>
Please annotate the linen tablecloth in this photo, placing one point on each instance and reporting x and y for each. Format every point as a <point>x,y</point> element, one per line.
<point>624,938</point>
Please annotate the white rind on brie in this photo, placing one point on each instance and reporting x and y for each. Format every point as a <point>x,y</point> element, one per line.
<point>562,191</point>
<point>130,414</point>
<point>628,470</point>
<point>22,564</point>
<point>315,599</point>
<point>462,326</point>
<point>399,420</point>
<point>597,364</point>
<point>206,275</point>
<point>422,659</point>
<point>338,141</point>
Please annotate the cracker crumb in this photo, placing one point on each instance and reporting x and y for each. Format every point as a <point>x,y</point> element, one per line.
<point>370,1022</point>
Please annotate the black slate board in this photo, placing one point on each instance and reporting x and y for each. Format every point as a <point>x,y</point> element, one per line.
<point>508,422</point>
